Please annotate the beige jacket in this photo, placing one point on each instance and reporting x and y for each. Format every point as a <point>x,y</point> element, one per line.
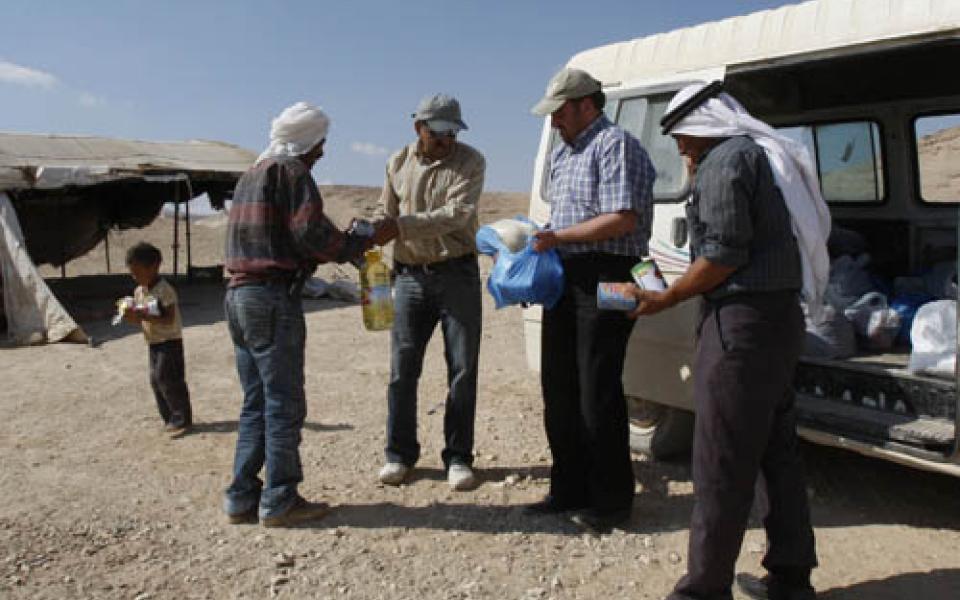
<point>435,204</point>
<point>166,296</point>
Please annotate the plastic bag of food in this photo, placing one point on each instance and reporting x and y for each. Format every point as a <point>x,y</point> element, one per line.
<point>934,337</point>
<point>874,321</point>
<point>514,234</point>
<point>830,335</point>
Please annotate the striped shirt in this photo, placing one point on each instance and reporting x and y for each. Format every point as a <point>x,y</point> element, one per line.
<point>277,226</point>
<point>604,170</point>
<point>737,218</point>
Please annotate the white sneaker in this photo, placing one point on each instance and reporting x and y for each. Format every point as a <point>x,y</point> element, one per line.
<point>394,473</point>
<point>461,477</point>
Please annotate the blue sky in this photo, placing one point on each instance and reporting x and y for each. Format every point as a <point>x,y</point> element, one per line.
<point>222,70</point>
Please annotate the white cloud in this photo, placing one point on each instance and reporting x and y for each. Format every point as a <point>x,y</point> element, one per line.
<point>368,149</point>
<point>89,100</point>
<point>20,75</point>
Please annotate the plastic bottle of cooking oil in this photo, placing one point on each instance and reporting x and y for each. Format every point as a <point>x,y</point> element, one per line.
<point>376,298</point>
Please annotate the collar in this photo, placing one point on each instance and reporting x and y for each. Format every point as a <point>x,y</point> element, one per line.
<point>586,136</point>
<point>425,161</point>
<point>707,152</point>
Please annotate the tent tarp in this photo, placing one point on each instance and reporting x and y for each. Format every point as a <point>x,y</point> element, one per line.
<point>41,161</point>
<point>33,313</point>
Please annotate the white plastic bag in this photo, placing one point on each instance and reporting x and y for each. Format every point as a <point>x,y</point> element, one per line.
<point>874,321</point>
<point>934,338</point>
<point>830,335</point>
<point>849,280</point>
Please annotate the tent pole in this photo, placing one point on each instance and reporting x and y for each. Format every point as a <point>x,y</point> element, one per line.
<point>63,250</point>
<point>187,230</point>
<point>176,227</point>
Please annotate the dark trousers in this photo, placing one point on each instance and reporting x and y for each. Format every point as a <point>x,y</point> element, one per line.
<point>747,350</point>
<point>168,380</point>
<point>582,353</point>
<point>447,293</point>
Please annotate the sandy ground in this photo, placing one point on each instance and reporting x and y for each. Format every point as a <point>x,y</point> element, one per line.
<point>100,504</point>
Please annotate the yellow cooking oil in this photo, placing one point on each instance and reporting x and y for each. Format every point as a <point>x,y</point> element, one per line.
<point>376,297</point>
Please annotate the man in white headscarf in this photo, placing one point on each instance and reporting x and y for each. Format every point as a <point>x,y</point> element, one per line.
<point>758,228</point>
<point>277,233</point>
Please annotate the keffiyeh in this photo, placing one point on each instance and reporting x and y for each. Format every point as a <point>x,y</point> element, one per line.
<point>296,130</point>
<point>793,170</point>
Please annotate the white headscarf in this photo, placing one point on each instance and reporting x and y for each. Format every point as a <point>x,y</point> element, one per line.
<point>296,130</point>
<point>793,171</point>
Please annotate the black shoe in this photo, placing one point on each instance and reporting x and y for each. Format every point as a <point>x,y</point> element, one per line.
<point>601,521</point>
<point>243,518</point>
<point>771,588</point>
<point>548,506</point>
<point>301,512</point>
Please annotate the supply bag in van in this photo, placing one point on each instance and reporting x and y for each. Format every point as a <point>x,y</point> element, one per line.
<point>524,276</point>
<point>934,338</point>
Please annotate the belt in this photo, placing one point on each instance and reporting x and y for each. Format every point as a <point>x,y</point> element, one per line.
<point>439,265</point>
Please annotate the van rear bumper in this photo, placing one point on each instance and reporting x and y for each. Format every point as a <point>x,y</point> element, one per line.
<point>874,451</point>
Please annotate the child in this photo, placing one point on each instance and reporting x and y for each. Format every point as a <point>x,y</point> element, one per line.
<point>155,309</point>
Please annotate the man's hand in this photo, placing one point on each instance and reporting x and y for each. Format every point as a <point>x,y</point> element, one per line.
<point>385,230</point>
<point>544,240</point>
<point>650,302</point>
<point>133,315</point>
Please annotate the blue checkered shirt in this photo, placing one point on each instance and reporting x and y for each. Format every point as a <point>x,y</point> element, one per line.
<point>605,170</point>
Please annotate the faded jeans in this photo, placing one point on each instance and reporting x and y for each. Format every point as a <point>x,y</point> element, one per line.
<point>448,293</point>
<point>269,333</point>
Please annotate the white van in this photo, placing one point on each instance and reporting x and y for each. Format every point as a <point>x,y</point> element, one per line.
<point>872,87</point>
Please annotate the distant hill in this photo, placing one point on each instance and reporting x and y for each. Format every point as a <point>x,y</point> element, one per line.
<point>341,203</point>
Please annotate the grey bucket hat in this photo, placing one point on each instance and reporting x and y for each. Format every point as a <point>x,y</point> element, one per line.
<point>567,84</point>
<point>441,112</point>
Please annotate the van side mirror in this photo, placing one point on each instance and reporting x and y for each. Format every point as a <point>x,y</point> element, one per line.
<point>678,232</point>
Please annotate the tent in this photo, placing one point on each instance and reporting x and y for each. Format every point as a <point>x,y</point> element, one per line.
<point>61,195</point>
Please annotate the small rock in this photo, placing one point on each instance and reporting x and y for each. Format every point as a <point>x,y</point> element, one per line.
<point>279,580</point>
<point>143,596</point>
<point>556,583</point>
<point>756,548</point>
<point>646,541</point>
<point>674,558</point>
<point>490,458</point>
<point>644,559</point>
<point>511,479</point>
<point>283,560</point>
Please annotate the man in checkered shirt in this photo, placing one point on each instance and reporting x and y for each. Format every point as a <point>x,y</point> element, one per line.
<point>600,191</point>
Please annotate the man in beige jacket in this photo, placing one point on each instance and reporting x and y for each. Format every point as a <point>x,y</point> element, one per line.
<point>431,190</point>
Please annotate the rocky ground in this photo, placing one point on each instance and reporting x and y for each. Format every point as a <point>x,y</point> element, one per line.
<point>99,503</point>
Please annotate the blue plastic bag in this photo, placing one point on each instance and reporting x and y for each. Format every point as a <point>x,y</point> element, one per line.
<point>520,277</point>
<point>906,306</point>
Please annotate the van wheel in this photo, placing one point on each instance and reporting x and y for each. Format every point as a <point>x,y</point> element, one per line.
<point>659,431</point>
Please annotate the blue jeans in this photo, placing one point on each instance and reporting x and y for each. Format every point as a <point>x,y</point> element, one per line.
<point>269,333</point>
<point>448,293</point>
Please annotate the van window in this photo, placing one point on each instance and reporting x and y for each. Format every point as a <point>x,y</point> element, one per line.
<point>641,117</point>
<point>938,157</point>
<point>848,158</point>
